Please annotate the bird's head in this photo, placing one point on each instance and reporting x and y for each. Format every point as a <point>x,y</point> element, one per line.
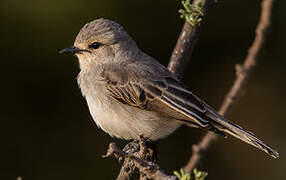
<point>101,41</point>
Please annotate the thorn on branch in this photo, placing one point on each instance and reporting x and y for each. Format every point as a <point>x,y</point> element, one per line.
<point>240,70</point>
<point>198,149</point>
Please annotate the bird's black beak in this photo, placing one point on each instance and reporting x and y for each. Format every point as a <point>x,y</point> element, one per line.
<point>72,50</point>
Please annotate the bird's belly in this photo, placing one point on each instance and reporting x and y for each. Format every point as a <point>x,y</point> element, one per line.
<point>127,122</point>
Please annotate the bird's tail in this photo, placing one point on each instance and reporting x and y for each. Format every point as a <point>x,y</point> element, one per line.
<point>228,127</point>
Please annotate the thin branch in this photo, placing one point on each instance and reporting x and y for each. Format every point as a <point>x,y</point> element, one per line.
<point>150,169</point>
<point>242,73</point>
<point>182,52</point>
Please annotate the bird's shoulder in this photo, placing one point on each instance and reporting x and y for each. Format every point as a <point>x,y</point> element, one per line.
<point>138,69</point>
<point>128,81</point>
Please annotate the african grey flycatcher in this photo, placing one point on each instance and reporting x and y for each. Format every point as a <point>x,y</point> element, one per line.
<point>129,93</point>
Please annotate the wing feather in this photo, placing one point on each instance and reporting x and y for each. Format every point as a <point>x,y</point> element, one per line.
<point>178,99</point>
<point>163,94</point>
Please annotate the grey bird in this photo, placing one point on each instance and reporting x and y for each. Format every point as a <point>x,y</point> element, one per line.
<point>129,93</point>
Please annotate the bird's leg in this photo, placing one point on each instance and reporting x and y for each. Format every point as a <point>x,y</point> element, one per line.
<point>144,149</point>
<point>148,151</point>
<point>132,147</point>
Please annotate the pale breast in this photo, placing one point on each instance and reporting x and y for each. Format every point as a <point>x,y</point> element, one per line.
<point>125,121</point>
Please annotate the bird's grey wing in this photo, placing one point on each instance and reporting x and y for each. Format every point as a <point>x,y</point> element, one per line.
<point>163,94</point>
<point>122,88</point>
<point>130,94</point>
<point>173,99</point>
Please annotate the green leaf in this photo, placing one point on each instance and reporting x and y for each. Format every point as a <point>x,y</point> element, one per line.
<point>182,175</point>
<point>199,175</point>
<point>193,13</point>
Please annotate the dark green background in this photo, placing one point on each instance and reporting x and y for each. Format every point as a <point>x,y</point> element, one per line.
<point>46,130</point>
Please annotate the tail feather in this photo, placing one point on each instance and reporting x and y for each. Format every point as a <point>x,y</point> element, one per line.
<point>236,131</point>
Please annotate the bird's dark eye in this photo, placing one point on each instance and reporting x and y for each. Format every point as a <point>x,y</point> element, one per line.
<point>95,45</point>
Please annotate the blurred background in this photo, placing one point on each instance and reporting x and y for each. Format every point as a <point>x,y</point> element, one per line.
<point>46,130</point>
